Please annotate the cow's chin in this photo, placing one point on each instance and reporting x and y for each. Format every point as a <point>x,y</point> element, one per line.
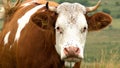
<point>72,59</point>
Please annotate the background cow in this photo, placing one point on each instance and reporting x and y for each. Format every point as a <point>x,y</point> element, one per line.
<point>36,35</point>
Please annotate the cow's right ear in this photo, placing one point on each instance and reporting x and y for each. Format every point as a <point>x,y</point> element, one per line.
<point>98,21</point>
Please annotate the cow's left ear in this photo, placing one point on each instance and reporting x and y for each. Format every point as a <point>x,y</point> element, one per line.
<point>98,21</point>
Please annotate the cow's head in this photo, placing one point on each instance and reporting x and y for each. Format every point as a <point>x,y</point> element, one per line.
<point>72,26</point>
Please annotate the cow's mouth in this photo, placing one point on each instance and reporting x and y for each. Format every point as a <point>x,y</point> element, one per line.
<point>72,59</point>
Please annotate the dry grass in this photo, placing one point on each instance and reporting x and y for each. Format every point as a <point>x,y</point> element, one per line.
<point>100,65</point>
<point>112,62</point>
<point>103,48</point>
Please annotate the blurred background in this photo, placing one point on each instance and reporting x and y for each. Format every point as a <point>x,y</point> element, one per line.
<point>102,48</point>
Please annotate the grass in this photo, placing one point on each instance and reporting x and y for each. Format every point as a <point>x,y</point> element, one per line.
<point>1,24</point>
<point>116,24</point>
<point>108,4</point>
<point>113,61</point>
<point>103,48</point>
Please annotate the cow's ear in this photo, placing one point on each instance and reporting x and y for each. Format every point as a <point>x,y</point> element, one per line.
<point>98,21</point>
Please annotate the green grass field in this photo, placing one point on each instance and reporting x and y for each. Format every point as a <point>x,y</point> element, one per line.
<point>112,5</point>
<point>1,24</point>
<point>103,48</point>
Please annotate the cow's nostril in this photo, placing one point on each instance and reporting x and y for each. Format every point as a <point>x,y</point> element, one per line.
<point>77,50</point>
<point>71,50</point>
<point>66,51</point>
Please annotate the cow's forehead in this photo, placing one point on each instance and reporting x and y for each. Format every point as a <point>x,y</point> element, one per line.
<point>71,8</point>
<point>71,13</point>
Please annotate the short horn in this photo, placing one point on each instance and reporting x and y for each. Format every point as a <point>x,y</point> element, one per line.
<point>51,8</point>
<point>93,8</point>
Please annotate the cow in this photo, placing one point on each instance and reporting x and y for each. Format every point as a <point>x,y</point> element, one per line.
<point>72,26</point>
<point>41,34</point>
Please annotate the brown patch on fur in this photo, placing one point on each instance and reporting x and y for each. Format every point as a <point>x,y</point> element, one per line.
<point>77,64</point>
<point>36,45</point>
<point>44,18</point>
<point>98,21</point>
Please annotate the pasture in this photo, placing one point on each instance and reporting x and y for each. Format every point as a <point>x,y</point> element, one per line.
<point>1,23</point>
<point>103,48</point>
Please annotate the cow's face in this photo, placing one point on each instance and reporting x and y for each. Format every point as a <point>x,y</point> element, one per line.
<point>72,26</point>
<point>71,29</point>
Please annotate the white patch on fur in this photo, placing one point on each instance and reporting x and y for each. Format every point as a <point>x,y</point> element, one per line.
<point>10,46</point>
<point>69,64</point>
<point>6,38</point>
<point>25,19</point>
<point>72,21</point>
<point>28,3</point>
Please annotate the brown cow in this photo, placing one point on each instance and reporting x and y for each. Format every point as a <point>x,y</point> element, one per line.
<point>36,35</point>
<point>35,47</point>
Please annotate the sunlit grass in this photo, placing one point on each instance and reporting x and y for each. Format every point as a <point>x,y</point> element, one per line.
<point>116,23</point>
<point>102,48</point>
<point>112,61</point>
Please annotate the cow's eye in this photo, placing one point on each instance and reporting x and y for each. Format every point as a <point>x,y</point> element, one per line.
<point>59,29</point>
<point>84,29</point>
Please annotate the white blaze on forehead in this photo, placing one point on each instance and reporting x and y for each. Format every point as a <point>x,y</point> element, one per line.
<point>71,7</point>
<point>6,39</point>
<point>71,13</point>
<point>25,19</point>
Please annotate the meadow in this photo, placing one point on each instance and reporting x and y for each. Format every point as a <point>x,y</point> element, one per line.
<point>103,47</point>
<point>1,24</point>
